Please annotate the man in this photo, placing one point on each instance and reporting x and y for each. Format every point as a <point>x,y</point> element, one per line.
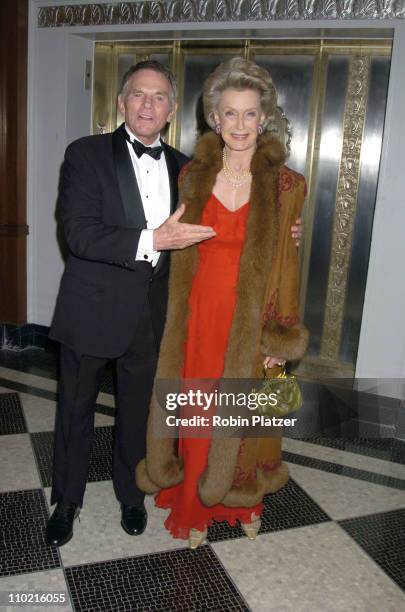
<point>113,294</point>
<point>118,204</point>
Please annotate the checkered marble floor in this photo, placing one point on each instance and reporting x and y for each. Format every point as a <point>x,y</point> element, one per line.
<point>333,539</point>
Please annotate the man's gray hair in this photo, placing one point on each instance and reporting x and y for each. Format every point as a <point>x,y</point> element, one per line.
<point>150,65</point>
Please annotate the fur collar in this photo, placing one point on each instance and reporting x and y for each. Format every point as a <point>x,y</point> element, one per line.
<point>207,162</point>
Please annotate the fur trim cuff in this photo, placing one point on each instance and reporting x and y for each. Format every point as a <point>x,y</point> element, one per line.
<point>289,343</point>
<point>142,479</point>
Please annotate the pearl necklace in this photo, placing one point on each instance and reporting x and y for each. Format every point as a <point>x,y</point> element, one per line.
<point>236,180</point>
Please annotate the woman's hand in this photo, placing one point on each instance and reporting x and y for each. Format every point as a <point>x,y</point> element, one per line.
<point>270,362</point>
<point>296,231</point>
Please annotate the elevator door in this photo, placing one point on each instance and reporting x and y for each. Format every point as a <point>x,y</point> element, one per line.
<point>332,98</point>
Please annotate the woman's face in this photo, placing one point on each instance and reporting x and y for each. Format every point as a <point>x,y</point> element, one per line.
<point>239,114</point>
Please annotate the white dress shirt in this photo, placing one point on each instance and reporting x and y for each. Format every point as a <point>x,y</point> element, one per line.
<point>153,183</point>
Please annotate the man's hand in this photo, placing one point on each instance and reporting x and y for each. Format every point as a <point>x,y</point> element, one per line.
<point>175,235</point>
<point>296,231</point>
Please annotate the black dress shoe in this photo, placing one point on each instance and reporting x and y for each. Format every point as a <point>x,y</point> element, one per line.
<point>133,519</point>
<point>59,529</point>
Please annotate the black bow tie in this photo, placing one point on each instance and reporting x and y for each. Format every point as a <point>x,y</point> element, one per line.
<point>140,149</point>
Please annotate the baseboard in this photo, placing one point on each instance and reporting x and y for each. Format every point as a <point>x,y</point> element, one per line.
<point>20,337</point>
<point>334,411</point>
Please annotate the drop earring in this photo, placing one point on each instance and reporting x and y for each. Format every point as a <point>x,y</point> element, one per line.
<point>217,129</point>
<point>260,130</point>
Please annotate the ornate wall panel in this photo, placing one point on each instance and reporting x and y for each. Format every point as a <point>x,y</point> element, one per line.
<point>346,201</point>
<point>185,11</point>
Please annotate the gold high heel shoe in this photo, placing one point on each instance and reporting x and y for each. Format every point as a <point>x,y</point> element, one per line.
<point>251,529</point>
<point>196,537</point>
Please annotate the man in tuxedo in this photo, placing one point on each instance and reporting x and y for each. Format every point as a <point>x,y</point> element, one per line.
<point>118,208</point>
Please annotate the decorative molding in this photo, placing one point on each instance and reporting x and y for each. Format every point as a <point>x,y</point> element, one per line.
<point>346,202</point>
<point>186,11</point>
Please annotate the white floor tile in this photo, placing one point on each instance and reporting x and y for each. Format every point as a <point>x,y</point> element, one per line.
<point>343,497</point>
<point>40,414</point>
<point>18,468</point>
<point>362,462</point>
<point>51,581</point>
<point>28,379</point>
<point>309,569</point>
<point>41,382</point>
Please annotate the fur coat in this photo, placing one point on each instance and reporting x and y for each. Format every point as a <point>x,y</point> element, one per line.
<point>265,320</point>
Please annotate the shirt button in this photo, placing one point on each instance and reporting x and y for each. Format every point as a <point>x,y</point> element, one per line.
<point>145,257</point>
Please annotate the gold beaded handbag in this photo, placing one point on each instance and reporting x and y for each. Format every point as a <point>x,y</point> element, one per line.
<point>284,394</point>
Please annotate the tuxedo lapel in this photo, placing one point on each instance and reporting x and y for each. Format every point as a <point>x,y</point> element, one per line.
<point>131,198</point>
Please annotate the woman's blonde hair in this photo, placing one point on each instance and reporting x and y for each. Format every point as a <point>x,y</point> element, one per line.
<point>238,73</point>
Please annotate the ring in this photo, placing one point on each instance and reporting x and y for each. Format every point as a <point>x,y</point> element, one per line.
<point>281,364</point>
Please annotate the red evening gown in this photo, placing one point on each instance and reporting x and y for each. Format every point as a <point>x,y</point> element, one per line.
<point>212,302</point>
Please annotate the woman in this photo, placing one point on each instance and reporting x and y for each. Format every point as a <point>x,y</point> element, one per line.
<point>233,304</point>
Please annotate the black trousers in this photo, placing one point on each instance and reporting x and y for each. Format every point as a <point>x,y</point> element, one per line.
<point>80,377</point>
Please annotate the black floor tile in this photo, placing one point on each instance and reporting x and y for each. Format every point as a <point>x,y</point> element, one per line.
<point>107,410</point>
<point>175,581</point>
<point>23,516</point>
<point>31,360</point>
<point>388,449</point>
<point>29,389</point>
<point>382,536</point>
<point>46,364</point>
<point>108,381</point>
<point>12,419</point>
<point>46,394</point>
<point>42,443</point>
<point>343,470</point>
<point>289,507</point>
<point>100,458</point>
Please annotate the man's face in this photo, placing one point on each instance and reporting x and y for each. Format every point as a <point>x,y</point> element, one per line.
<point>147,104</point>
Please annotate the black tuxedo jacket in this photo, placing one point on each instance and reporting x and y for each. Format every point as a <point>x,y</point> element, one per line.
<point>103,288</point>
